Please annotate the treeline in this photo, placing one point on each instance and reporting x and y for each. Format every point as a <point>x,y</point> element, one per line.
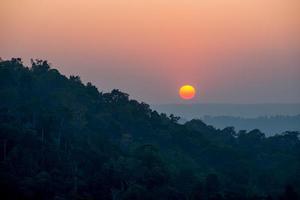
<point>62,139</point>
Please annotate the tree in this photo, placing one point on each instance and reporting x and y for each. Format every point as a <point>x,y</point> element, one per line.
<point>212,185</point>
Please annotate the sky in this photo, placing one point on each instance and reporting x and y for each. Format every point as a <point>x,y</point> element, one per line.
<point>231,51</point>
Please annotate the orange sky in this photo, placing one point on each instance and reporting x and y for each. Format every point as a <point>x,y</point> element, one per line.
<point>232,50</point>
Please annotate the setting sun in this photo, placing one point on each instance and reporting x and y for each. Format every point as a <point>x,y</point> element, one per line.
<point>187,92</point>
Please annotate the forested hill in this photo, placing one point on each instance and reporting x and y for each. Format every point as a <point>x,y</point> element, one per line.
<point>62,139</point>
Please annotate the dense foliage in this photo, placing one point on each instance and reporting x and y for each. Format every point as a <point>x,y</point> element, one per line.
<point>62,139</point>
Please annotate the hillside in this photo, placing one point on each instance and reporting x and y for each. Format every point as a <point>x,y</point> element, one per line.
<point>62,139</point>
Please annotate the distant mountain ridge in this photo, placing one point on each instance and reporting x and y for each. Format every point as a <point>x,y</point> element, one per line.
<point>191,111</point>
<point>269,125</point>
<point>269,118</point>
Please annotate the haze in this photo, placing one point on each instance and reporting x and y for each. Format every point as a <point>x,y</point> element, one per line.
<point>232,51</point>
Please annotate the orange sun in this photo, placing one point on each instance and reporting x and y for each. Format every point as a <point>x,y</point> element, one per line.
<point>187,92</point>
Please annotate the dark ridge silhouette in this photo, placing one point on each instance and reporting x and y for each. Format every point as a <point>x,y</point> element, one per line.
<point>62,139</point>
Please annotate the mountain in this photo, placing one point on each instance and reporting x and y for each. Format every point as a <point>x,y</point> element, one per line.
<point>269,125</point>
<point>62,139</point>
<point>200,110</point>
<point>269,118</point>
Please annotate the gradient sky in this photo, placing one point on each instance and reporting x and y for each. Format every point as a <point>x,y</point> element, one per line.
<point>232,51</point>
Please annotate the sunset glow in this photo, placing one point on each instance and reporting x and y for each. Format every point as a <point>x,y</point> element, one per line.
<point>152,41</point>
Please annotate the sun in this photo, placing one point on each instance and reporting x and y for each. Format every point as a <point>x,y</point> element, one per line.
<point>187,92</point>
